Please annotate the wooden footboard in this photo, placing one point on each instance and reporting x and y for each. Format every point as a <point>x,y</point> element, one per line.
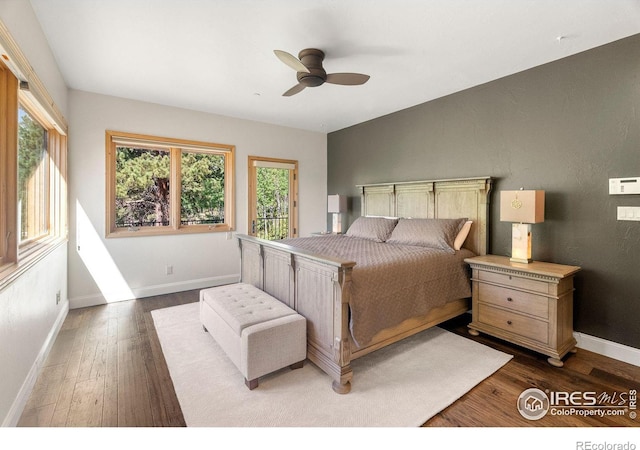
<point>317,288</point>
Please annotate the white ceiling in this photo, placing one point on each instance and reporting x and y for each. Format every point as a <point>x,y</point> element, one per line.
<point>217,55</point>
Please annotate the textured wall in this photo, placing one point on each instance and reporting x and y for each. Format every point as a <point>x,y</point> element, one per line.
<point>565,127</point>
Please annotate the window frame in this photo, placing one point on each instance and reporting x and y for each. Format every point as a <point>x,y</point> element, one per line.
<point>25,245</point>
<point>18,257</point>
<point>263,161</point>
<point>8,166</point>
<point>175,147</point>
<point>56,195</point>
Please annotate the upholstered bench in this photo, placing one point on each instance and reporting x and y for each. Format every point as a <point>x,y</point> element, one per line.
<point>258,333</point>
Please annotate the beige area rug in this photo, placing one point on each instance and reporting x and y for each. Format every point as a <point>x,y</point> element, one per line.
<point>404,384</point>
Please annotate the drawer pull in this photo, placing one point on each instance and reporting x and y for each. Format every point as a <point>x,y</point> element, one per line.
<point>509,322</point>
<point>509,299</point>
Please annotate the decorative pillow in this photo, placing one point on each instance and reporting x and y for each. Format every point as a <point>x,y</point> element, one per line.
<point>462,235</point>
<point>376,229</point>
<point>435,233</point>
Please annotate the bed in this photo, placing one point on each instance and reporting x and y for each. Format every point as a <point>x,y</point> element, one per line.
<point>338,282</point>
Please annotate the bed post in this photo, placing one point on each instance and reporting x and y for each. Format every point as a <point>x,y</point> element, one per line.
<point>251,263</point>
<point>342,346</point>
<point>322,296</point>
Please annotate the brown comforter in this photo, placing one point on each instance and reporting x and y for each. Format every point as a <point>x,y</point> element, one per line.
<point>391,283</point>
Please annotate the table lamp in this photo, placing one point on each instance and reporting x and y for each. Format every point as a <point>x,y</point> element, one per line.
<point>522,208</point>
<point>337,204</point>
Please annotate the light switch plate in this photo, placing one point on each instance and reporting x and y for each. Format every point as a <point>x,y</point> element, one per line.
<point>629,213</point>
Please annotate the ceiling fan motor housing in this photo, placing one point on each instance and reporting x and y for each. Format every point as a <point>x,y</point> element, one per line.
<point>312,59</point>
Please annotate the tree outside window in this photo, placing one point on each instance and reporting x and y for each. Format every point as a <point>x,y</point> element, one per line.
<point>202,195</point>
<point>33,177</point>
<point>142,187</point>
<point>162,185</point>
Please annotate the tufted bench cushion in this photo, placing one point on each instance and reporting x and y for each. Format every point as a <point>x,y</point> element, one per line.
<point>258,333</point>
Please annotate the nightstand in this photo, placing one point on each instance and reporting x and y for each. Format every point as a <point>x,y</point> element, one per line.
<point>323,233</point>
<point>526,304</point>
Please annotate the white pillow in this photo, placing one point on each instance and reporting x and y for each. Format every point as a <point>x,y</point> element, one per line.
<point>462,235</point>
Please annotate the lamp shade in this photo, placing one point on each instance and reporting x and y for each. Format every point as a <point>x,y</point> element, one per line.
<point>336,203</point>
<point>522,206</point>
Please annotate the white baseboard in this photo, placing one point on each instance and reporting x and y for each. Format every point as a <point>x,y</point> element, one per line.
<point>13,416</point>
<point>160,289</point>
<point>610,349</point>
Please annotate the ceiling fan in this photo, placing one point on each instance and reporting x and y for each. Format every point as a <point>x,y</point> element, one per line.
<point>311,73</point>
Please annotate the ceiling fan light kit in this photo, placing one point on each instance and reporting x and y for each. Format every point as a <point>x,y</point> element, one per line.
<point>310,72</point>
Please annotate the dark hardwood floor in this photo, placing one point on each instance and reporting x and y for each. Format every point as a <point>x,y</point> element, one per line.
<point>493,402</point>
<point>106,368</point>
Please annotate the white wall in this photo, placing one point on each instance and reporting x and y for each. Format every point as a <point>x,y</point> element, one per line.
<point>29,322</point>
<point>29,316</point>
<point>136,266</point>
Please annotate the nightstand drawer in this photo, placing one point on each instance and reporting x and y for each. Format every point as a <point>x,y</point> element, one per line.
<point>513,281</point>
<point>533,304</point>
<point>514,323</point>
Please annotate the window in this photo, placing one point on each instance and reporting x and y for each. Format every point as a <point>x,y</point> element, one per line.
<point>273,194</point>
<point>33,208</point>
<point>167,186</point>
<point>33,178</point>
<point>142,187</point>
<point>202,193</point>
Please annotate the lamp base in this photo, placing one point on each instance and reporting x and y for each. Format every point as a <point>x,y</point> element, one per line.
<point>520,260</point>
<point>337,223</point>
<point>521,243</point>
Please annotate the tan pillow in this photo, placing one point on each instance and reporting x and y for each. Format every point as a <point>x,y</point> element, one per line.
<point>462,235</point>
<point>376,229</point>
<point>434,233</point>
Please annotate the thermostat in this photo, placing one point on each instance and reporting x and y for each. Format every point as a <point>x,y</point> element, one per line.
<point>624,186</point>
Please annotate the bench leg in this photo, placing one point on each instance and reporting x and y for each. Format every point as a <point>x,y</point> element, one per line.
<point>251,384</point>
<point>297,365</point>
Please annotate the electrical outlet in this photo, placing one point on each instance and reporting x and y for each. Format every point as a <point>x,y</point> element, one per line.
<point>169,270</point>
<point>229,235</point>
<point>57,297</point>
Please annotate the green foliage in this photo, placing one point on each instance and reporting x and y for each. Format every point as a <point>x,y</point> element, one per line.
<point>32,145</point>
<point>272,203</point>
<point>142,187</point>
<point>202,197</point>
<point>32,151</point>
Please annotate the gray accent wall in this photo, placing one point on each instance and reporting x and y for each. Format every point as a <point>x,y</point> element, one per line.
<point>565,127</point>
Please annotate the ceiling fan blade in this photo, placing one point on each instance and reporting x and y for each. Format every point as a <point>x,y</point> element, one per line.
<point>291,61</point>
<point>294,90</point>
<point>348,79</point>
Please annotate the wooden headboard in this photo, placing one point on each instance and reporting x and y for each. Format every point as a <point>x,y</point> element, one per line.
<point>434,199</point>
